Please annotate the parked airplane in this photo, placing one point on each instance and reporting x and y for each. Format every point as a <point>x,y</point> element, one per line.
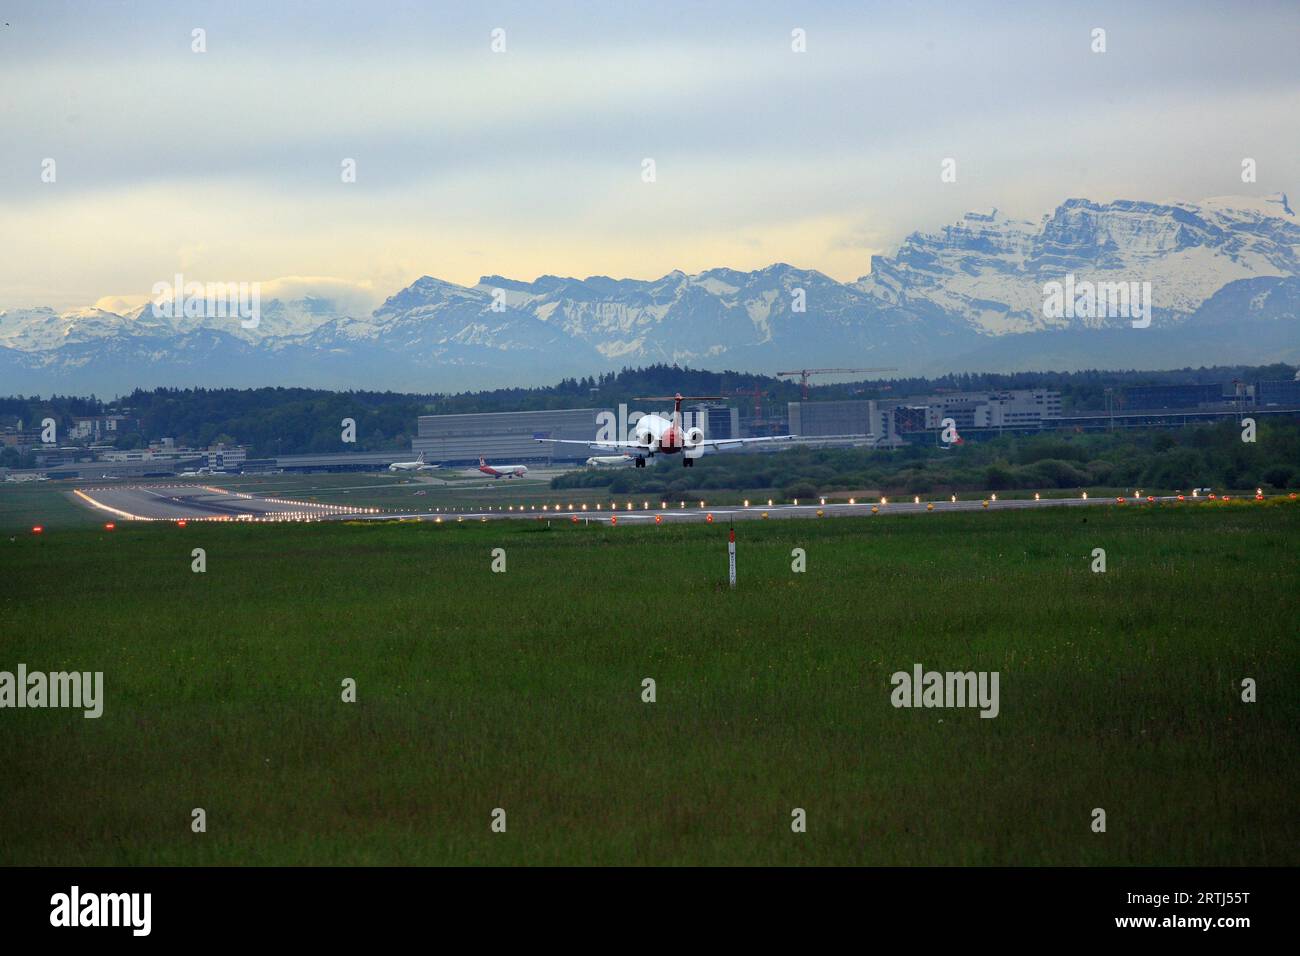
<point>609,461</point>
<point>417,465</point>
<point>502,471</point>
<point>656,435</point>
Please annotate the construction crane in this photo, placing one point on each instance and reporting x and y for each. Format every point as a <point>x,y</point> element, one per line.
<point>756,394</point>
<point>805,373</point>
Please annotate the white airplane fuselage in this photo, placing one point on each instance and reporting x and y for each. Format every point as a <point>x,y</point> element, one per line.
<point>663,436</point>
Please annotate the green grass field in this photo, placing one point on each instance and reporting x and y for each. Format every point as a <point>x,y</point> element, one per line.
<point>522,690</point>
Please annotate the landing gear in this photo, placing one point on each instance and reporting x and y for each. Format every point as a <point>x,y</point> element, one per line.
<point>640,462</point>
<point>688,462</point>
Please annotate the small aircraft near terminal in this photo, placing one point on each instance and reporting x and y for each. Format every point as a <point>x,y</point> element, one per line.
<point>656,435</point>
<point>609,461</point>
<point>502,471</point>
<point>418,465</point>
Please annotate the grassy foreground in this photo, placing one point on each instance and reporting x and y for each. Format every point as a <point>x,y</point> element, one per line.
<point>522,690</point>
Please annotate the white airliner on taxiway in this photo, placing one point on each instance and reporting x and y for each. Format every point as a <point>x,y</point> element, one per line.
<point>656,435</point>
<point>417,465</point>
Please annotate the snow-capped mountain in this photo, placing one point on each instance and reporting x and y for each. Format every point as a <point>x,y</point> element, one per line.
<point>1223,274</point>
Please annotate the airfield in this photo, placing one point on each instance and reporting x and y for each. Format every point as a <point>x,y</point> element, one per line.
<point>205,502</point>
<point>523,688</point>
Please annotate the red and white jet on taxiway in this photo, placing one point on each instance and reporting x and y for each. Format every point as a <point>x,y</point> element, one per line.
<point>502,471</point>
<point>656,435</point>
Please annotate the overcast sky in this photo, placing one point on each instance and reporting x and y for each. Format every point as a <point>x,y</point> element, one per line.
<point>225,165</point>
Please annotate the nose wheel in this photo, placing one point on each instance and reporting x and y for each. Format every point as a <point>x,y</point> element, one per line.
<point>640,462</point>
<point>688,462</point>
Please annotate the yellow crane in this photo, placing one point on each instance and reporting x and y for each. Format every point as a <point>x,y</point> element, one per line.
<point>805,373</point>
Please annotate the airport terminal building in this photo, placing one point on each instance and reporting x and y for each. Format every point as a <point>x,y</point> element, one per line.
<point>504,436</point>
<point>889,421</point>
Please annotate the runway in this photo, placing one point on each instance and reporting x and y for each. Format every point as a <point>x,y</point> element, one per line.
<point>191,502</point>
<point>188,502</point>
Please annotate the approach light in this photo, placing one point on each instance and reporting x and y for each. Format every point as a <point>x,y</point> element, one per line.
<point>38,529</point>
<point>109,526</point>
<point>1035,496</point>
<point>853,501</point>
<point>659,519</point>
<point>746,502</point>
<point>709,517</point>
<point>613,520</point>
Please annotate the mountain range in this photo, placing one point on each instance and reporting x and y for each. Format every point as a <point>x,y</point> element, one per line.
<point>1224,280</point>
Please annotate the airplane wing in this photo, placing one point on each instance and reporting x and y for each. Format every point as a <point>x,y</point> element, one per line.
<point>721,443</point>
<point>621,446</point>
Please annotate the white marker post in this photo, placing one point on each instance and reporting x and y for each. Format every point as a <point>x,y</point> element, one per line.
<point>731,555</point>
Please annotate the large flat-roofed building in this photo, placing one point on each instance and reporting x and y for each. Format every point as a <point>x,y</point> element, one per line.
<point>717,421</point>
<point>499,436</point>
<point>815,419</point>
<point>887,420</point>
<point>1142,397</point>
<point>1283,394</point>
